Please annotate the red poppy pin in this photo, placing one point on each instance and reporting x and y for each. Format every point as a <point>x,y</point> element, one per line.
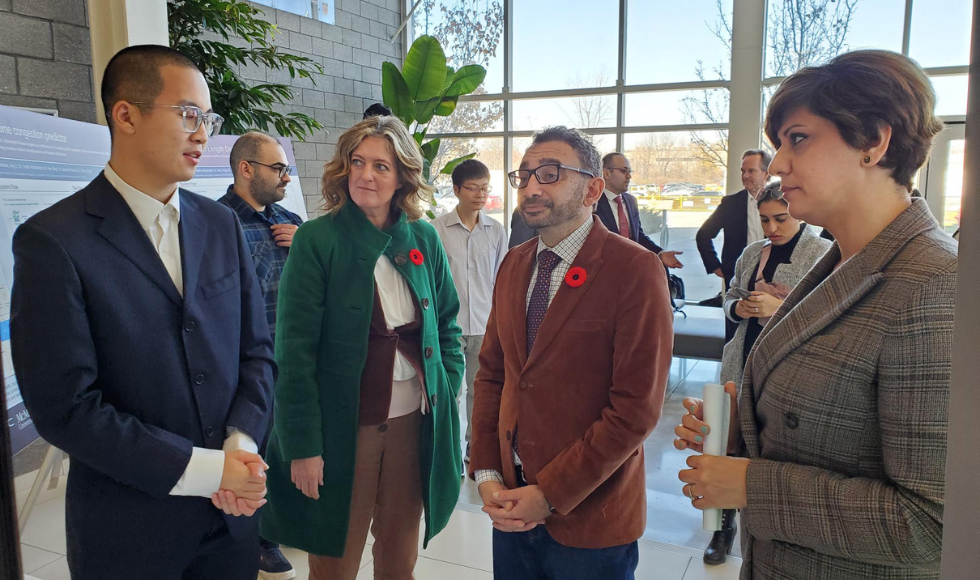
<point>416,257</point>
<point>575,277</point>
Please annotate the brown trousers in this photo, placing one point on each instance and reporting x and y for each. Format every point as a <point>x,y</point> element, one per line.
<point>387,490</point>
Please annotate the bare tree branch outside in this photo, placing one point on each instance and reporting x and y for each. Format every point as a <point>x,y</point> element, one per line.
<point>799,33</point>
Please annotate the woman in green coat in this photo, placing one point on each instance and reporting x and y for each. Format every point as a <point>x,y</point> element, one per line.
<point>366,430</point>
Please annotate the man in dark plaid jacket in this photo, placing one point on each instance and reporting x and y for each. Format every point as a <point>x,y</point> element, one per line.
<point>261,172</point>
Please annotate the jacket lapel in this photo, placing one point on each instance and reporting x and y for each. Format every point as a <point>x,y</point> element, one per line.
<point>121,229</point>
<point>193,240</point>
<point>604,211</point>
<point>567,298</point>
<point>824,295</point>
<point>517,299</point>
<point>633,215</point>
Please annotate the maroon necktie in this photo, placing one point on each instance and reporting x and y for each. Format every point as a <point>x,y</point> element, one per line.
<point>624,225</point>
<point>538,306</point>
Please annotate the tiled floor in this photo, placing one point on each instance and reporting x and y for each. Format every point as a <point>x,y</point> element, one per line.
<point>669,550</point>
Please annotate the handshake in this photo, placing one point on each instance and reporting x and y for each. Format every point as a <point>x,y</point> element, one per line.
<point>242,490</point>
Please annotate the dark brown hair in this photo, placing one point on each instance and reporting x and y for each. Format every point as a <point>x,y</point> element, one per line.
<point>860,92</point>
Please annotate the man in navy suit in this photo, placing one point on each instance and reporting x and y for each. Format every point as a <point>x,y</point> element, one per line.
<point>141,346</point>
<point>618,211</point>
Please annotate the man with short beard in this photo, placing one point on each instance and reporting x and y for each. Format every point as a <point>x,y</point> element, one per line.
<point>572,376</point>
<point>261,172</point>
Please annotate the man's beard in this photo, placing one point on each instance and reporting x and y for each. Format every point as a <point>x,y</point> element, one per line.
<point>266,194</point>
<point>559,214</point>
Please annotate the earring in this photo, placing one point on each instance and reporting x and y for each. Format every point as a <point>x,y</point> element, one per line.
<point>867,159</point>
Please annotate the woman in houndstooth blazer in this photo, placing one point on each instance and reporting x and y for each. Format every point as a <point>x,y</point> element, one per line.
<point>842,412</point>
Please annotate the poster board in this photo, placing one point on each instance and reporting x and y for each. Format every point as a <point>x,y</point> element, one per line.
<point>45,159</point>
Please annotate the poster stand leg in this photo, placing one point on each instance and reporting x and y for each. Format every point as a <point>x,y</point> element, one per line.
<point>51,465</point>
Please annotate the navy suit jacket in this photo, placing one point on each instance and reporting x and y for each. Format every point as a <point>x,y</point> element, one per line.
<point>605,212</point>
<point>126,376</point>
<point>730,216</point>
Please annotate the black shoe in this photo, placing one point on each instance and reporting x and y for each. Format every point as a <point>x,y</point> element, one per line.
<point>272,564</point>
<point>722,540</point>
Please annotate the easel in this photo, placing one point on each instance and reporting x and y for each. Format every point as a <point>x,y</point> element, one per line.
<point>52,465</point>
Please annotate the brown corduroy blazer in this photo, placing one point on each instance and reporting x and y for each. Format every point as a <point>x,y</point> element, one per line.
<point>588,394</point>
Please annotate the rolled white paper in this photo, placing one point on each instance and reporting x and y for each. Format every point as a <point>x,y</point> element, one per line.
<point>717,408</point>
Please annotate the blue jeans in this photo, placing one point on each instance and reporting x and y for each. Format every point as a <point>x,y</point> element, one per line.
<point>535,555</point>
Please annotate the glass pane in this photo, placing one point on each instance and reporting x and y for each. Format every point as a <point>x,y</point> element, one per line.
<point>490,151</point>
<point>677,107</point>
<point>678,183</point>
<point>951,94</point>
<point>471,117</point>
<point>828,28</point>
<point>580,112</point>
<point>546,56</point>
<point>470,33</point>
<point>691,41</point>
<point>940,34</point>
<point>954,186</point>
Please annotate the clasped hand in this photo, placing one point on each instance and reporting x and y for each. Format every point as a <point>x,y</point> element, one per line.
<point>712,481</point>
<point>758,305</point>
<point>242,491</point>
<point>514,510</point>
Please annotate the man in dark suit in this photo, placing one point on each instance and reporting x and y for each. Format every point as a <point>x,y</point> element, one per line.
<point>738,216</point>
<point>141,346</point>
<point>572,378</point>
<point>520,232</point>
<point>619,212</point>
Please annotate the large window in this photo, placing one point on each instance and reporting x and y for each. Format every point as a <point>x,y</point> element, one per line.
<point>571,64</point>
<point>657,89</point>
<point>937,36</point>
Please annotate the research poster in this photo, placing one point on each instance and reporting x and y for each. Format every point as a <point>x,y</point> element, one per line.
<point>45,159</point>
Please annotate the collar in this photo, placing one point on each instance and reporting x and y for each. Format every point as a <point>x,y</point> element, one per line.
<point>241,207</point>
<point>146,208</point>
<point>610,195</point>
<point>363,231</point>
<point>568,248</point>
<point>453,219</point>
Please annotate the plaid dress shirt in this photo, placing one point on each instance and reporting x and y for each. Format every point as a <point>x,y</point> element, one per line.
<point>268,257</point>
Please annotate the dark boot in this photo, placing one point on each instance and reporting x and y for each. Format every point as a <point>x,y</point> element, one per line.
<point>721,542</point>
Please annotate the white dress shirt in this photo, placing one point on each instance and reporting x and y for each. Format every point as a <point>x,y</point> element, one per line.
<point>474,258</point>
<point>399,310</point>
<point>615,207</point>
<point>755,231</point>
<point>161,222</point>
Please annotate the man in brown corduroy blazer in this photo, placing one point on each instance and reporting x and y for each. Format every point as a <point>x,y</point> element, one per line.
<point>572,377</point>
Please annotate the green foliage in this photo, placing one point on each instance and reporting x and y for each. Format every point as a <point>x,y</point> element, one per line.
<point>426,87</point>
<point>244,106</point>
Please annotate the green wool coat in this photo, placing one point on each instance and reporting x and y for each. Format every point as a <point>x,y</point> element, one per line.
<point>326,297</point>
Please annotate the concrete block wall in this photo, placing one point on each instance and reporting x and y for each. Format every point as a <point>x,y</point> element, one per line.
<point>46,57</point>
<point>351,53</point>
<point>45,62</point>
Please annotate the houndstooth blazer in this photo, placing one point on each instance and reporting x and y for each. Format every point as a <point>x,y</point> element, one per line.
<point>843,412</point>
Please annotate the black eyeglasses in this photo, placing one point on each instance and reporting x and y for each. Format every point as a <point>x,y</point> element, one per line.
<point>626,171</point>
<point>282,169</point>
<point>545,174</point>
<point>194,117</point>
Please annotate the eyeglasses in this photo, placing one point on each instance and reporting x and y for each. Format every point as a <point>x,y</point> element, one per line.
<point>282,169</point>
<point>545,174</point>
<point>486,189</point>
<point>626,171</point>
<point>194,117</point>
